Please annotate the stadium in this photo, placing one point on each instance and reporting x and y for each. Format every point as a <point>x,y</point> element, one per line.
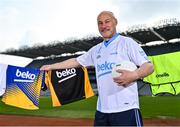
<point>161,42</point>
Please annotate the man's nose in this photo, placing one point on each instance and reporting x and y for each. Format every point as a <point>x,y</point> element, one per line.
<point>103,25</point>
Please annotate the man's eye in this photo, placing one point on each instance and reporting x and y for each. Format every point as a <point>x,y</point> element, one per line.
<point>107,21</point>
<point>99,23</point>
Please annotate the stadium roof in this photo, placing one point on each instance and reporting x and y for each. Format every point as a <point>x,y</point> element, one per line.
<point>163,31</point>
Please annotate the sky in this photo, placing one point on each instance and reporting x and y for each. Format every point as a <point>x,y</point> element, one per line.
<point>40,22</point>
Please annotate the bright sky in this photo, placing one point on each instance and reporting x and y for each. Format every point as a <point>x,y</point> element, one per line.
<point>30,22</point>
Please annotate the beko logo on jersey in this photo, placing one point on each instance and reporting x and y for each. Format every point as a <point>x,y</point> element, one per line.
<point>105,66</point>
<point>68,73</point>
<point>24,76</point>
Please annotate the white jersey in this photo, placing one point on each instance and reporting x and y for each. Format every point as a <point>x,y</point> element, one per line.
<point>3,68</point>
<point>113,98</point>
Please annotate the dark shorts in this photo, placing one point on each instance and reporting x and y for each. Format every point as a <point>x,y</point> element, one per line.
<point>127,118</point>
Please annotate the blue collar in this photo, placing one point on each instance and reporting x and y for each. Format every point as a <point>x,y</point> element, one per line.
<point>106,43</point>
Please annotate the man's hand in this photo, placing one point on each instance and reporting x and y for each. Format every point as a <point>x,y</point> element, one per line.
<point>126,77</point>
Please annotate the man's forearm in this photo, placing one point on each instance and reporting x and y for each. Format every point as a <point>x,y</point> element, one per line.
<point>70,63</point>
<point>144,70</point>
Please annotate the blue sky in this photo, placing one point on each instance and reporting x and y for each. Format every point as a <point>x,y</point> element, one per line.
<point>33,22</point>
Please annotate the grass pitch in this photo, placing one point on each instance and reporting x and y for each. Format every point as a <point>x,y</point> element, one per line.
<point>151,107</point>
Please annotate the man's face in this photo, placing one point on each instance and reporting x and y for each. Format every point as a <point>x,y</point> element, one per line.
<point>106,25</point>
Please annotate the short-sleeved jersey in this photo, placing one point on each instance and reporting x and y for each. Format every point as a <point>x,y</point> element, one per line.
<point>68,85</point>
<point>23,87</point>
<point>114,98</point>
<point>3,68</point>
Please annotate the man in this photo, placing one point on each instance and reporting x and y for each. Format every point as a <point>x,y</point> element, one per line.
<point>118,102</point>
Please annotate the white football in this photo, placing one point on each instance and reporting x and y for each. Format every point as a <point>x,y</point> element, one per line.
<point>124,65</point>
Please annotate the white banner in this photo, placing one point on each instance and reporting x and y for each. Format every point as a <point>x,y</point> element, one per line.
<point>15,60</point>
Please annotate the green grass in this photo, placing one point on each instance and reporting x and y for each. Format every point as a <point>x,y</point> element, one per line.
<point>161,106</point>
<point>80,109</point>
<point>151,107</point>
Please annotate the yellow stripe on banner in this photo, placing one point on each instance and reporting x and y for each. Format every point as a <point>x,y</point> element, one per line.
<point>55,100</point>
<point>18,99</point>
<point>88,89</point>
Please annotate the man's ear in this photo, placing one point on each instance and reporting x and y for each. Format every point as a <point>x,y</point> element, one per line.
<point>116,21</point>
